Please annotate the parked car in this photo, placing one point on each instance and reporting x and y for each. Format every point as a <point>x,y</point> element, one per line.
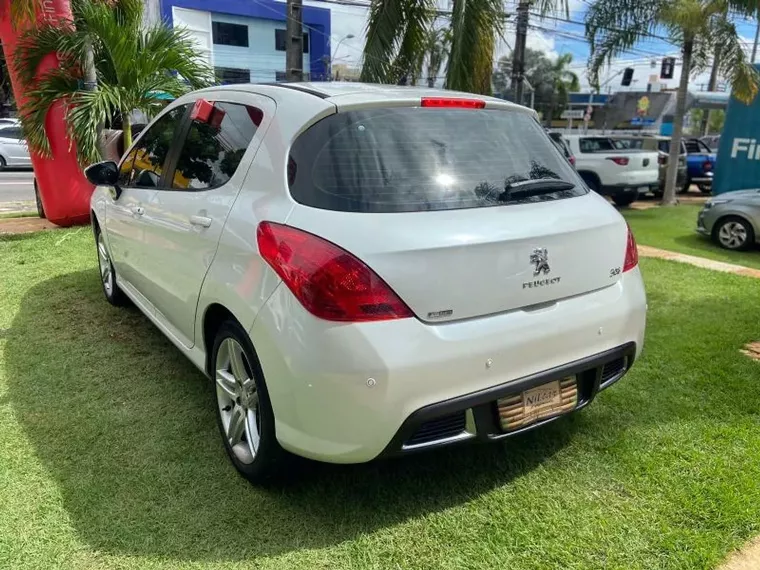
<point>621,174</point>
<point>368,270</point>
<point>13,149</point>
<point>661,145</point>
<point>732,219</point>
<point>701,166</point>
<point>712,142</point>
<point>562,146</point>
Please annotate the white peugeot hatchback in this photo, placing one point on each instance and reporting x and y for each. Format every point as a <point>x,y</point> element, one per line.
<point>369,270</point>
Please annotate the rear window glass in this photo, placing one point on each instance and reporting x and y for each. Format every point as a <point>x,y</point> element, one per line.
<point>596,144</point>
<point>412,159</point>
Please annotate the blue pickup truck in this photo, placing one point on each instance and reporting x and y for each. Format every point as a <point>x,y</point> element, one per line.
<point>700,163</point>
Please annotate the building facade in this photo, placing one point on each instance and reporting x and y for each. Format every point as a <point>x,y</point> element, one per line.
<point>244,40</point>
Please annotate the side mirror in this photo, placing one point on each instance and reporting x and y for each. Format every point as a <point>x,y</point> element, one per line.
<point>104,174</point>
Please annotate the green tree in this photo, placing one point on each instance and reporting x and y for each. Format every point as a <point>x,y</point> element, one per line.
<point>132,62</point>
<point>551,80</point>
<point>398,32</point>
<point>697,26</point>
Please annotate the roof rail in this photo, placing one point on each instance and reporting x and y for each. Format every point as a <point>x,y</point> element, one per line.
<point>295,86</point>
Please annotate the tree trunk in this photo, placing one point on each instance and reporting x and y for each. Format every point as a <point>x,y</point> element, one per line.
<point>91,84</point>
<point>126,125</point>
<point>704,127</point>
<point>669,196</point>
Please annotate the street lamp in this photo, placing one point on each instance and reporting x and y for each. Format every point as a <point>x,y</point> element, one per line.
<point>332,58</point>
<point>344,38</point>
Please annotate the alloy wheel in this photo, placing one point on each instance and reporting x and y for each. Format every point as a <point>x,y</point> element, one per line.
<point>732,235</point>
<point>238,400</point>
<point>106,272</point>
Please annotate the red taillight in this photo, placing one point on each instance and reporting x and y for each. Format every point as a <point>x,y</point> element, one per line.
<point>620,160</point>
<point>453,102</point>
<point>662,159</point>
<point>706,166</point>
<point>328,281</point>
<point>572,160</point>
<point>631,253</point>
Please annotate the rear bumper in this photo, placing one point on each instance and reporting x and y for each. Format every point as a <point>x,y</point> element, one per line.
<point>706,180</point>
<point>436,425</point>
<point>342,392</point>
<point>625,189</point>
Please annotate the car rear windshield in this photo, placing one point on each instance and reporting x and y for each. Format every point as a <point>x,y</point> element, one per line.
<point>415,159</point>
<point>596,144</point>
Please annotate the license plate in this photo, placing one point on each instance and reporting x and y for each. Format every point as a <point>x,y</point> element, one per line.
<point>544,401</point>
<point>643,189</point>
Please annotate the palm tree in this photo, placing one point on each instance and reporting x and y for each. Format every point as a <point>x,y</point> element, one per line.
<point>696,26</point>
<point>397,32</point>
<point>132,63</point>
<point>564,82</point>
<point>438,47</point>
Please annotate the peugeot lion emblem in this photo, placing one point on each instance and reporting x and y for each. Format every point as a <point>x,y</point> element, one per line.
<point>540,258</point>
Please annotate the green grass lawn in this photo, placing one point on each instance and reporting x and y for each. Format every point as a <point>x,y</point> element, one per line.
<point>675,229</point>
<point>110,458</point>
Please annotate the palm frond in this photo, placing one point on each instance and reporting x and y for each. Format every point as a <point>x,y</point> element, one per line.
<point>614,26</point>
<point>734,63</point>
<point>553,6</point>
<point>131,62</point>
<point>474,26</point>
<point>88,108</point>
<point>36,44</point>
<point>418,22</point>
<point>385,28</point>
<point>53,86</point>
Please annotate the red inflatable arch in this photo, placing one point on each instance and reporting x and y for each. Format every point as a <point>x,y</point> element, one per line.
<point>64,190</point>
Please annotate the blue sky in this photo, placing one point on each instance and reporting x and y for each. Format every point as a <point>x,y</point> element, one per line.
<point>549,35</point>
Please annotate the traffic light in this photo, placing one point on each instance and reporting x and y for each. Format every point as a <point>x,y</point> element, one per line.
<point>668,66</point>
<point>627,77</point>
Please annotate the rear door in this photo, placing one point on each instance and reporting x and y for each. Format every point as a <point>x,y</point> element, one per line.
<point>128,217</point>
<point>422,196</point>
<point>15,146</point>
<point>189,211</point>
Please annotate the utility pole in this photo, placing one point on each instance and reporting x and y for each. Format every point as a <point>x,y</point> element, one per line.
<point>294,45</point>
<point>518,54</point>
<point>757,37</point>
<point>711,87</point>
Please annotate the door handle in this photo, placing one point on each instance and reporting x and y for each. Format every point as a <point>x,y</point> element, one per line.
<point>138,210</point>
<point>201,221</point>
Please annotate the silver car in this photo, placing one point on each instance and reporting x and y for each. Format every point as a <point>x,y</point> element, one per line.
<point>13,149</point>
<point>732,219</point>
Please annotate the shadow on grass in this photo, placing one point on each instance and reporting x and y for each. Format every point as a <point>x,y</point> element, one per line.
<point>704,243</point>
<point>126,427</point>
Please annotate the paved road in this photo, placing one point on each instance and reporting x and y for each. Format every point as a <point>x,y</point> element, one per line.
<point>16,185</point>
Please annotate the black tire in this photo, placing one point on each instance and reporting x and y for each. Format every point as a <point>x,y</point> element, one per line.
<point>724,242</point>
<point>591,181</point>
<point>705,189</point>
<point>623,200</point>
<point>3,163</point>
<point>267,461</point>
<point>111,289</point>
<point>40,208</point>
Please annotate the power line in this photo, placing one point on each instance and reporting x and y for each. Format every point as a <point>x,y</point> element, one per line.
<point>607,28</point>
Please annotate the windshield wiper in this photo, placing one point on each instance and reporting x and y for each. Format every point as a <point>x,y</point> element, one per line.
<point>535,187</point>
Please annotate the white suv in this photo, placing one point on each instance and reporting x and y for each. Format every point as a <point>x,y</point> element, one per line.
<point>367,271</point>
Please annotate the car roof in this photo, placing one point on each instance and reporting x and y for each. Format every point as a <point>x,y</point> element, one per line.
<point>334,91</point>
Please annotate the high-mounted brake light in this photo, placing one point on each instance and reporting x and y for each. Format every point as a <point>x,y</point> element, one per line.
<point>631,253</point>
<point>620,160</point>
<point>453,102</point>
<point>329,282</point>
